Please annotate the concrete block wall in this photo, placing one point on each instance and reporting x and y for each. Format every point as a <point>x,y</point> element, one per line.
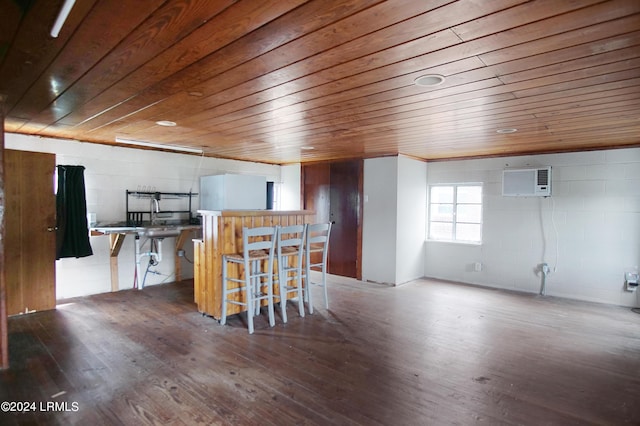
<point>588,231</point>
<point>110,171</point>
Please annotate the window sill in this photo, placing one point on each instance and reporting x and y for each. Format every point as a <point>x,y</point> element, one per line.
<point>464,243</point>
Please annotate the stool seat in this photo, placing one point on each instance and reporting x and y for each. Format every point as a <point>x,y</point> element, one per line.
<point>316,247</point>
<point>253,255</point>
<point>288,250</point>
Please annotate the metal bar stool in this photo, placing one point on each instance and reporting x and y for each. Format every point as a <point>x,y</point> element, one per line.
<point>316,245</point>
<point>290,243</point>
<point>256,259</point>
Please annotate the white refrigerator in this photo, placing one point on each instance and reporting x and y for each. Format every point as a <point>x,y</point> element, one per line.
<point>233,192</point>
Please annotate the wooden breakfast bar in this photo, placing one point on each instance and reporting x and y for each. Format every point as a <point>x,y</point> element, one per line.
<point>222,234</point>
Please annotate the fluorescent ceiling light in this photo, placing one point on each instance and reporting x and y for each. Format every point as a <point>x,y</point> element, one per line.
<point>62,17</point>
<point>158,145</point>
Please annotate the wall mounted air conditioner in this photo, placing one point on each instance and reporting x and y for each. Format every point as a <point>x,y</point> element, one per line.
<point>526,182</point>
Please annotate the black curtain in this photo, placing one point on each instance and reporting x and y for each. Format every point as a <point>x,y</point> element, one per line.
<point>72,235</point>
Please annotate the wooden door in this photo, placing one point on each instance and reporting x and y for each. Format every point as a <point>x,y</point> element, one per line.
<point>30,215</point>
<point>344,207</point>
<point>316,187</point>
<point>333,191</point>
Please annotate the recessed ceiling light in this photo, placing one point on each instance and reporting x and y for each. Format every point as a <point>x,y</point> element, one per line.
<point>429,80</point>
<point>307,148</point>
<point>504,131</point>
<point>166,123</point>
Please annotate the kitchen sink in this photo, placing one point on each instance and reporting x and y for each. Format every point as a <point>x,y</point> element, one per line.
<point>149,231</point>
<point>159,231</point>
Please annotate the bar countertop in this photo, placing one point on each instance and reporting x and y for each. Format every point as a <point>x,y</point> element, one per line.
<point>242,213</point>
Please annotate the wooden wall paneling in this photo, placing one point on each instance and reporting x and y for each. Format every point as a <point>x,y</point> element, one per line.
<point>259,81</point>
<point>14,213</point>
<point>622,58</point>
<point>434,26</point>
<point>349,68</point>
<point>30,53</point>
<point>229,239</point>
<point>13,264</point>
<point>199,271</point>
<point>4,332</point>
<point>139,38</point>
<point>226,68</point>
<point>65,59</point>
<point>211,36</point>
<point>368,99</point>
<point>324,21</point>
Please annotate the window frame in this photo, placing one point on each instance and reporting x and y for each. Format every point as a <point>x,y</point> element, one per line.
<point>454,205</point>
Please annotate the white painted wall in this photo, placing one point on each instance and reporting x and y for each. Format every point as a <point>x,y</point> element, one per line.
<point>394,217</point>
<point>289,187</point>
<point>411,219</point>
<point>110,171</point>
<point>380,185</point>
<point>588,231</point>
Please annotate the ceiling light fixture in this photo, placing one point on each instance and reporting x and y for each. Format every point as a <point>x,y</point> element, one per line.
<point>306,148</point>
<point>506,131</point>
<point>429,80</point>
<point>159,145</point>
<point>62,17</point>
<point>166,123</point>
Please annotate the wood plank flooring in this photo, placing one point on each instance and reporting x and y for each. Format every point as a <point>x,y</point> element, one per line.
<point>426,353</point>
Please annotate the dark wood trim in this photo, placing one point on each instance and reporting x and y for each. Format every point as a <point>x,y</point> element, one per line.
<point>4,341</point>
<point>360,219</point>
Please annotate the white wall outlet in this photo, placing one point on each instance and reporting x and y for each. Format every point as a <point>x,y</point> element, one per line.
<point>631,279</point>
<point>477,267</point>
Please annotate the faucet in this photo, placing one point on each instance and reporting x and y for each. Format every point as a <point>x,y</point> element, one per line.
<point>155,207</point>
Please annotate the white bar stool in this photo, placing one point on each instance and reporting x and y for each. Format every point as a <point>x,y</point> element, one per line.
<point>258,249</point>
<point>317,242</point>
<point>290,243</point>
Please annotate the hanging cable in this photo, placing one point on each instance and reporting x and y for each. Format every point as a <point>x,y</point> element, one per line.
<point>555,230</point>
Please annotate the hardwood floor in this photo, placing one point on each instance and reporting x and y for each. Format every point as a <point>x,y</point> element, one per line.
<point>426,353</point>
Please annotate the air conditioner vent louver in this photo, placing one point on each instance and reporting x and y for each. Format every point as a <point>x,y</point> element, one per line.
<point>526,182</point>
<point>543,177</point>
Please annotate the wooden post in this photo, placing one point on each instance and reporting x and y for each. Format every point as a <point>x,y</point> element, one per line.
<point>115,241</point>
<point>4,332</point>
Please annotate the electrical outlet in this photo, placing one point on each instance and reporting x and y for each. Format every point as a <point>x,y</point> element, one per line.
<point>631,280</point>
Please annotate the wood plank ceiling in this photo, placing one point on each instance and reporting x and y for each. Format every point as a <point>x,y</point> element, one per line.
<point>287,81</point>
